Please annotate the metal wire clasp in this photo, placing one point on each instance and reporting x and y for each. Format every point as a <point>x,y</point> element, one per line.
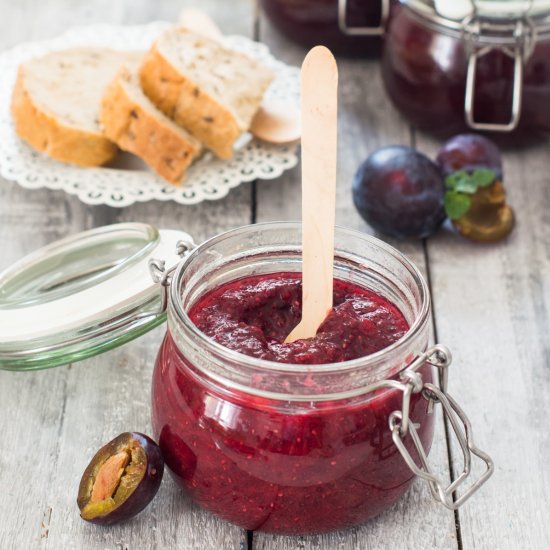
<point>162,276</point>
<point>362,31</point>
<point>400,427</point>
<point>524,35</point>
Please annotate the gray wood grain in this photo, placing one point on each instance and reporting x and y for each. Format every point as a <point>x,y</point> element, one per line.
<point>366,121</point>
<point>54,421</point>
<point>492,305</point>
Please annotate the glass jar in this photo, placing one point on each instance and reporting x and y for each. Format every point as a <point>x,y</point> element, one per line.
<point>262,444</point>
<point>350,27</point>
<point>453,64</point>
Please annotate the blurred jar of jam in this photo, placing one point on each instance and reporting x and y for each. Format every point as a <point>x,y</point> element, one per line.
<point>484,65</point>
<point>348,27</point>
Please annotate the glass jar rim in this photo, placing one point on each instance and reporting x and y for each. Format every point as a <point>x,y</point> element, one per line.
<point>177,313</point>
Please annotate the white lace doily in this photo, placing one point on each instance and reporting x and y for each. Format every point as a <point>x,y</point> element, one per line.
<point>208,179</point>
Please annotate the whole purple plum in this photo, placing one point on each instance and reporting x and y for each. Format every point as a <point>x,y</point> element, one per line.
<point>399,191</point>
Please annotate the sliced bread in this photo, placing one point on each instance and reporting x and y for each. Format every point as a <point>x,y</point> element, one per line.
<point>206,88</point>
<point>130,119</point>
<point>56,101</point>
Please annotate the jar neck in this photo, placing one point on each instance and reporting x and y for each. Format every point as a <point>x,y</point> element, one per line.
<point>276,247</point>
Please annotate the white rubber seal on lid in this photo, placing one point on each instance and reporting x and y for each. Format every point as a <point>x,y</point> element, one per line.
<point>511,9</point>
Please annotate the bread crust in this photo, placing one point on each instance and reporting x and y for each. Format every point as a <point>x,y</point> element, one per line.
<point>133,128</point>
<point>48,134</point>
<point>188,105</point>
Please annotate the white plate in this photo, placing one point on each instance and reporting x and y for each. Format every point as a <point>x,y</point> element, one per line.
<point>128,180</point>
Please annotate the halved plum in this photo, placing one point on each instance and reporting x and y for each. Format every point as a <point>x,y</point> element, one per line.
<point>121,479</point>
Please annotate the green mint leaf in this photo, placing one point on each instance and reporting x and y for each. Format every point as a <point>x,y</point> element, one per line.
<point>466,185</point>
<point>452,180</point>
<point>456,204</point>
<point>483,177</point>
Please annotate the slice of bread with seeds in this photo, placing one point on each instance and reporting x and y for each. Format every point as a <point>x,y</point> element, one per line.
<point>208,89</point>
<point>130,120</point>
<point>56,101</point>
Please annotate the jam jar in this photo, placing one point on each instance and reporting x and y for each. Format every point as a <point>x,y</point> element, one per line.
<point>279,447</point>
<point>453,64</point>
<point>261,443</point>
<point>349,27</point>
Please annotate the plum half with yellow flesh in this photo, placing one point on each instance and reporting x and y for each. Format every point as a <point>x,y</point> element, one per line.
<point>121,479</point>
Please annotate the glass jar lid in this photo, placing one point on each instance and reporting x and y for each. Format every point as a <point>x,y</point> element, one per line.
<point>453,13</point>
<point>83,295</point>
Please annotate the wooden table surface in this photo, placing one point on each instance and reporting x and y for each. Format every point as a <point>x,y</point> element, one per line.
<point>491,307</point>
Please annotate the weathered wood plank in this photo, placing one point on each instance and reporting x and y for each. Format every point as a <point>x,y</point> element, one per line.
<point>34,403</point>
<point>492,305</point>
<point>55,420</point>
<point>366,121</point>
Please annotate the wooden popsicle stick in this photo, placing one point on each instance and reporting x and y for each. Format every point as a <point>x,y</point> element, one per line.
<point>319,148</point>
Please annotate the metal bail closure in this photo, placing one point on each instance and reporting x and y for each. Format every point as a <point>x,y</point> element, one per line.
<point>440,357</point>
<point>367,30</point>
<point>524,35</point>
<point>163,276</point>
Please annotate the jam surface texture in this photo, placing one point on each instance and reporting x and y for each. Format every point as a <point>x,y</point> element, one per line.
<point>256,314</point>
<point>282,465</point>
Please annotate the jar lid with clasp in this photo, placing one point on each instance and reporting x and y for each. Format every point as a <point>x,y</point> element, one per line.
<point>83,295</point>
<point>512,27</point>
<point>96,290</point>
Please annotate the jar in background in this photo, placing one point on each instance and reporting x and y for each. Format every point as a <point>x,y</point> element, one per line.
<point>349,27</point>
<point>485,65</point>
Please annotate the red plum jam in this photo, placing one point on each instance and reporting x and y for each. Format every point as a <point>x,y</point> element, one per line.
<point>280,464</point>
<point>256,314</point>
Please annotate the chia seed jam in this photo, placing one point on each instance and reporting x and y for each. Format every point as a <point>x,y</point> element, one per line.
<point>254,316</point>
<point>271,464</point>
